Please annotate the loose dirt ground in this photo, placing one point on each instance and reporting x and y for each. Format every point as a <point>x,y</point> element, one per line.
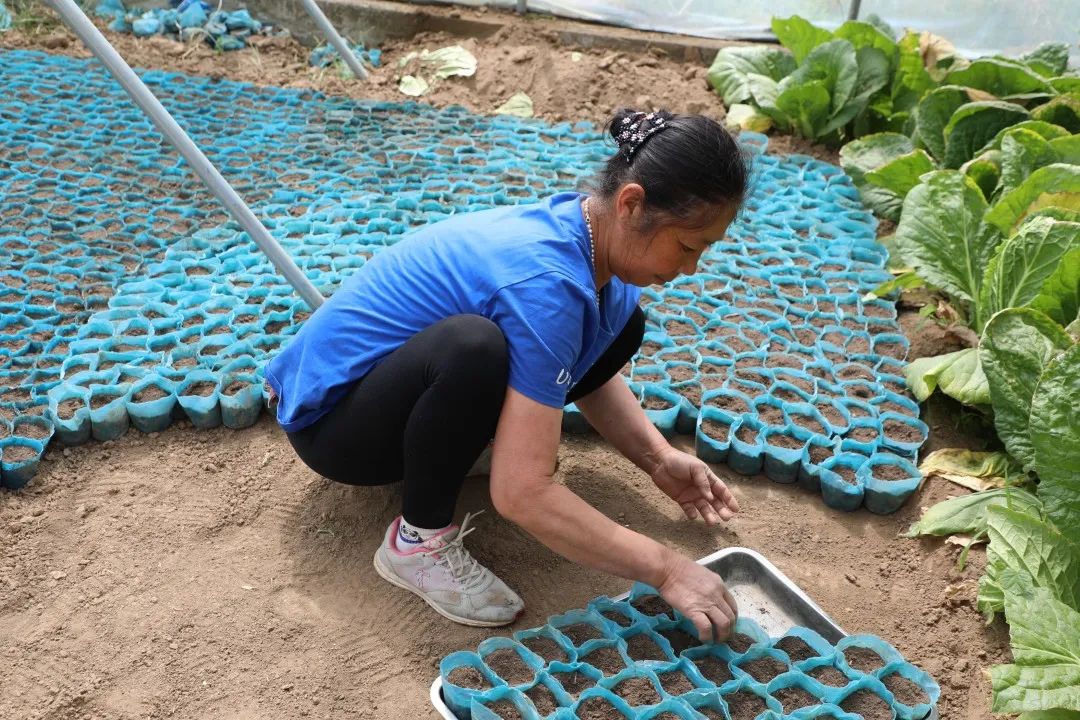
<point>210,574</point>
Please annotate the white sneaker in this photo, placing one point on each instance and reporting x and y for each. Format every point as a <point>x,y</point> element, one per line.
<point>443,573</point>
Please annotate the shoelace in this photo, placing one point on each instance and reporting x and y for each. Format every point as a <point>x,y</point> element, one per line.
<point>453,556</point>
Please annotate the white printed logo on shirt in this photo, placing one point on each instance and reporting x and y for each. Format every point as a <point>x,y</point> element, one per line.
<point>564,378</point>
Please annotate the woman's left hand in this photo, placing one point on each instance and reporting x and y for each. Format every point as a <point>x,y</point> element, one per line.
<point>691,483</point>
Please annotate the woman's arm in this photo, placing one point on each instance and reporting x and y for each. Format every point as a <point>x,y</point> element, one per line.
<point>614,412</point>
<point>523,491</point>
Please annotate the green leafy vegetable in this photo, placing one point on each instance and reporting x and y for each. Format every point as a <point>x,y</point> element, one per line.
<point>1049,59</point>
<point>867,154</point>
<point>967,514</point>
<point>933,114</point>
<point>1063,110</point>
<point>974,124</point>
<point>957,374</point>
<point>1060,294</point>
<point>1000,77</point>
<point>1055,438</point>
<point>902,174</point>
<point>1054,185</point>
<point>799,35</point>
<point>729,71</point>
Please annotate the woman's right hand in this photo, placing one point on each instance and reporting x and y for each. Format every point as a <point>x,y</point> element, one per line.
<point>700,595</point>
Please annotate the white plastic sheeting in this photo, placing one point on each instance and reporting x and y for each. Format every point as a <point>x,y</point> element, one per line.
<point>976,27</point>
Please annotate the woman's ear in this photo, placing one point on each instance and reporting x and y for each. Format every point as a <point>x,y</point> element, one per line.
<point>630,204</point>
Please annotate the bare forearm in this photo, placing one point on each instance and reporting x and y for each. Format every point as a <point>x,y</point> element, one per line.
<point>615,413</point>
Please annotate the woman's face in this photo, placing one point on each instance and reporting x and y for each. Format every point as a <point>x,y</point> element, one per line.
<point>665,251</point>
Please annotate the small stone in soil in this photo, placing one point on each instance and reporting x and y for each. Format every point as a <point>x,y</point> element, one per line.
<point>641,647</point>
<point>607,660</point>
<point>744,705</point>
<point>468,677</point>
<point>598,709</point>
<point>796,648</point>
<point>868,705</point>
<point>828,675</point>
<point>713,669</point>
<point>580,633</point>
<point>794,698</point>
<point>508,665</point>
<point>505,710</point>
<point>653,605</point>
<point>546,648</point>
<point>574,683</point>
<point>680,640</point>
<point>764,669</point>
<point>675,683</point>
<point>542,699</point>
<point>637,691</point>
<point>863,659</point>
<point>905,691</point>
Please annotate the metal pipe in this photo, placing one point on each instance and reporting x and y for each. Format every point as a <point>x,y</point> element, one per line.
<point>853,10</point>
<point>335,39</point>
<point>76,19</point>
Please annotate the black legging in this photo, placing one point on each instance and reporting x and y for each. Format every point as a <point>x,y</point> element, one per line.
<point>424,414</point>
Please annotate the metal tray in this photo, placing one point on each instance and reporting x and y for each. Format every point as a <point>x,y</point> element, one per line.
<point>763,593</point>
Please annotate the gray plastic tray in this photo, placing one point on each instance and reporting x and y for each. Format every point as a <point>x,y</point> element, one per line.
<point>763,593</point>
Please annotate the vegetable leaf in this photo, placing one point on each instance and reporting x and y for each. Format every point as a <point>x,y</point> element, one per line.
<point>967,514</point>
<point>799,36</point>
<point>1053,185</point>
<point>974,124</point>
<point>1055,437</point>
<point>728,73</point>
<point>957,374</point>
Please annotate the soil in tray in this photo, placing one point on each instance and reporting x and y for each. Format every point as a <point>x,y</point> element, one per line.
<point>794,698</point>
<point>863,659</point>
<point>905,691</point>
<point>784,441</point>
<point>543,700</point>
<point>745,705</point>
<point>712,714</point>
<point>675,683</point>
<point>770,414</point>
<point>234,387</point>
<point>580,633</point>
<point>692,393</point>
<point>764,669</point>
<point>637,691</point>
<point>890,472</point>
<point>505,709</point>
<point>18,454</point>
<point>717,431</point>
<point>901,432</point>
<point>641,647</point>
<point>598,709</point>
<point>654,403</point>
<point>101,400</point>
<point>667,715</point>
<point>606,659</point>
<point>863,434</point>
<point>185,363</point>
<point>679,639</point>
<point>468,678</point>
<point>846,474</point>
<point>202,389</point>
<point>681,373</point>
<point>740,642</point>
<point>808,423</point>
<point>796,648</point>
<point>149,393</point>
<point>508,665</point>
<point>783,360</point>
<point>746,434</point>
<point>868,705</point>
<point>729,403</point>
<point>830,676</point>
<point>67,409</point>
<point>546,648</point>
<point>650,348</point>
<point>30,430</point>
<point>648,377</point>
<point>617,617</point>
<point>653,605</point>
<point>574,683</point>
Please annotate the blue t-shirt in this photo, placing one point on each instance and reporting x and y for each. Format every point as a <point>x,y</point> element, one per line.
<point>525,267</point>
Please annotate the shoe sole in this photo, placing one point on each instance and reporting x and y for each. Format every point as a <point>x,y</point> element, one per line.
<point>389,577</point>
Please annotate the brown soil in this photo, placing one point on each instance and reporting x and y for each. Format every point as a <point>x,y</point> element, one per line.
<point>717,431</point>
<point>808,423</point>
<point>505,710</point>
<point>30,430</point>
<point>740,643</point>
<point>770,414</point>
<point>676,328</point>
<point>234,387</point>
<point>637,691</point>
<point>650,348</point>
<point>744,705</point>
<point>795,648</point>
<point>901,432</point>
<point>896,408</point>
<point>794,698</point>
<point>546,648</point>
<point>508,665</point>
<point>202,389</point>
<point>598,709</point>
<point>667,715</point>
<point>764,669</point>
<point>784,441</point>
<point>542,699</point>
<point>468,677</point>
<point>828,675</point>
<point>746,434</point>
<point>653,605</point>
<point>905,691</point>
<point>890,472</point>
<point>691,392</point>
<point>788,144</point>
<point>846,474</point>
<point>730,403</point>
<point>830,413</point>
<point>863,659</point>
<point>681,373</point>
<point>679,640</point>
<point>18,454</point>
<point>606,659</point>
<point>102,399</point>
<point>713,669</point>
<point>581,633</point>
<point>574,683</point>
<point>783,361</point>
<point>187,362</point>
<point>655,403</point>
<point>617,617</point>
<point>67,409</point>
<point>863,434</point>
<point>641,647</point>
<point>149,394</point>
<point>712,714</point>
<point>868,705</point>
<point>858,411</point>
<point>675,683</point>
